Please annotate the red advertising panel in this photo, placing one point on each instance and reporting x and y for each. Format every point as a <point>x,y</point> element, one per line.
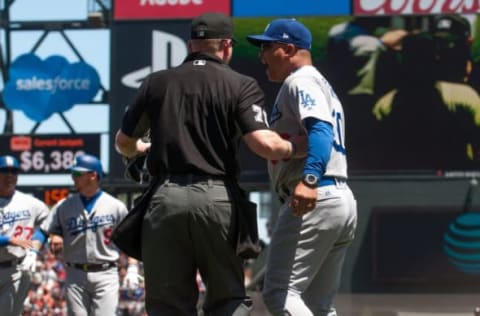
<point>48,194</point>
<point>415,7</point>
<point>167,9</point>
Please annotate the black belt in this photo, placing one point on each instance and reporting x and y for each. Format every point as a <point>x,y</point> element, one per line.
<point>92,267</point>
<point>9,264</point>
<point>190,178</point>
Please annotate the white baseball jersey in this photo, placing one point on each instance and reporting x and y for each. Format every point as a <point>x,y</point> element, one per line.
<point>86,235</point>
<point>306,93</point>
<point>19,216</point>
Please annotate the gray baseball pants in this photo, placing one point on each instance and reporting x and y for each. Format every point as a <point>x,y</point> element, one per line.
<point>306,254</point>
<point>186,228</point>
<point>14,286</point>
<point>92,293</point>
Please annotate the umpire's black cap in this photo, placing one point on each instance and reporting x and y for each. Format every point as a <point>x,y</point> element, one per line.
<point>452,27</point>
<point>211,25</point>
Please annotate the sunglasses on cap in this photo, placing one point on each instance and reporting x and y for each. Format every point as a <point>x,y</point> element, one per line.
<point>9,170</point>
<point>268,45</point>
<point>76,173</point>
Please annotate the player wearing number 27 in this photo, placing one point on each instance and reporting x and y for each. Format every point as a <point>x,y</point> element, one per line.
<point>318,218</point>
<point>85,220</point>
<point>20,213</point>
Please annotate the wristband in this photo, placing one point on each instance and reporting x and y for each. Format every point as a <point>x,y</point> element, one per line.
<point>4,240</point>
<point>132,268</point>
<point>34,250</point>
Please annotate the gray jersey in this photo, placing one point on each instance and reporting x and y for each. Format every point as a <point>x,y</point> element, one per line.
<point>306,93</point>
<point>19,216</point>
<point>86,235</point>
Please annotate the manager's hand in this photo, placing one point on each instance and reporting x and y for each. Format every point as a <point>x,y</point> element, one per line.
<point>304,199</point>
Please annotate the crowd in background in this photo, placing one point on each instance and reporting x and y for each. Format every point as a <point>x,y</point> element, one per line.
<point>47,294</point>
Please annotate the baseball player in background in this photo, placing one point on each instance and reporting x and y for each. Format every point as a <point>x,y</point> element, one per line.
<point>318,217</point>
<point>20,214</point>
<point>85,220</point>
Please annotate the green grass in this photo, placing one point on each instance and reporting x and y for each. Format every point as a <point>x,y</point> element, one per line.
<point>475,51</point>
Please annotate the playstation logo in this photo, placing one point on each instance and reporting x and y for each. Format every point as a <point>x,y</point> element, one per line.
<point>168,51</point>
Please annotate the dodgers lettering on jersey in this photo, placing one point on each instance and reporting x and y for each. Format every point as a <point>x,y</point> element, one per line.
<point>77,225</point>
<point>10,218</point>
<point>86,234</point>
<point>306,93</point>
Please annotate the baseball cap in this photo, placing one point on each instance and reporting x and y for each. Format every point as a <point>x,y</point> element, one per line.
<point>87,162</point>
<point>9,162</point>
<point>211,25</point>
<point>454,27</point>
<point>288,31</point>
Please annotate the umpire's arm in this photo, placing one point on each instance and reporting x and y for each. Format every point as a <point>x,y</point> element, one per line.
<point>271,146</point>
<point>130,146</point>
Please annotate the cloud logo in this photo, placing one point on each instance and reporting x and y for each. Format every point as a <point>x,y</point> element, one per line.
<point>42,88</point>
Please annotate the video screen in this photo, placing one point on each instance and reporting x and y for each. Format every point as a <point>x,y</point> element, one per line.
<point>409,86</point>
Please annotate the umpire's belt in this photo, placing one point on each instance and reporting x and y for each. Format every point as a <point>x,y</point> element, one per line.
<point>92,267</point>
<point>190,178</point>
<point>9,264</point>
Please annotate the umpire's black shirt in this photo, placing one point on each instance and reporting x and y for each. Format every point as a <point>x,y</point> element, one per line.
<point>197,113</point>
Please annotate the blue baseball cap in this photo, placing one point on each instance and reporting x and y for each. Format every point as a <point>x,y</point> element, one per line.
<point>87,162</point>
<point>288,31</point>
<point>9,162</point>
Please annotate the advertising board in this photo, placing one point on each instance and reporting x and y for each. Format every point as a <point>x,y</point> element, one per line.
<point>424,247</point>
<point>377,142</point>
<point>419,7</point>
<point>167,9</point>
<point>270,8</point>
<point>49,153</point>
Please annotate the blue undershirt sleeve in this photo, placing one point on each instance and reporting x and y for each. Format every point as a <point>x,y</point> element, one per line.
<point>40,236</point>
<point>320,142</point>
<point>4,240</point>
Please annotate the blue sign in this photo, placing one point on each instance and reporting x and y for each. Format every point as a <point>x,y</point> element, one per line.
<point>42,88</point>
<point>298,8</point>
<point>462,243</point>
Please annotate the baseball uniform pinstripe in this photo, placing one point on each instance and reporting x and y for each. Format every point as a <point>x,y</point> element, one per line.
<point>306,253</point>
<point>19,216</point>
<point>86,239</point>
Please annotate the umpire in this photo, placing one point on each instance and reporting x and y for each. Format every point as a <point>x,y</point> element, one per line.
<point>197,113</point>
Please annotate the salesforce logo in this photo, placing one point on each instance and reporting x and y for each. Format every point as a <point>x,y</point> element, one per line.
<point>42,88</point>
<point>462,243</point>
